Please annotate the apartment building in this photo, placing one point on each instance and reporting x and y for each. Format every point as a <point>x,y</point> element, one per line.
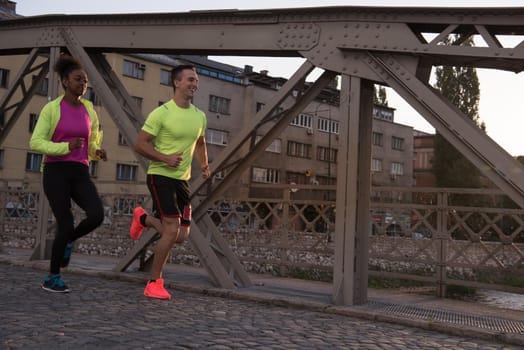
<point>305,153</point>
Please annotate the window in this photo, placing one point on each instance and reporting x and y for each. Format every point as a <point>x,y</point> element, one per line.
<point>222,76</point>
<point>376,165</point>
<point>134,69</point>
<point>297,178</point>
<point>125,172</point>
<point>165,77</point>
<point>138,101</point>
<point>397,143</point>
<point>4,77</point>
<point>219,104</point>
<point>43,87</point>
<point>297,149</point>
<point>91,96</point>
<point>2,119</point>
<point>121,140</point>
<point>33,162</point>
<point>383,114</point>
<point>378,139</point>
<point>303,120</point>
<point>93,168</point>
<point>33,118</point>
<point>1,158</point>
<point>328,125</point>
<point>216,137</point>
<point>326,180</point>
<point>327,154</point>
<point>274,147</point>
<point>265,175</point>
<point>397,168</point>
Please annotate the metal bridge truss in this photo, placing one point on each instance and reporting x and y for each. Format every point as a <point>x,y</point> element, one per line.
<point>396,47</point>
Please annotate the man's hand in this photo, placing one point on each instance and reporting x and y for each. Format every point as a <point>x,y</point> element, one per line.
<point>174,160</point>
<point>205,171</point>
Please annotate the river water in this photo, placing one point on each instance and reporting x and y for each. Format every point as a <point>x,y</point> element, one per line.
<point>500,299</point>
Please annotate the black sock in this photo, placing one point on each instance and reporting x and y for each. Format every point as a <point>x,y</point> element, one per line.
<point>143,219</point>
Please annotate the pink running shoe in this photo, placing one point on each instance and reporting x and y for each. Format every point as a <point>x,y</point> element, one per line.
<point>156,290</point>
<point>136,227</point>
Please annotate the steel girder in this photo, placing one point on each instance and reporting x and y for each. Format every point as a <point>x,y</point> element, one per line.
<point>391,46</point>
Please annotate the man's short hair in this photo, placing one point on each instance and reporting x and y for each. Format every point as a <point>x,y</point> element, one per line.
<point>175,72</point>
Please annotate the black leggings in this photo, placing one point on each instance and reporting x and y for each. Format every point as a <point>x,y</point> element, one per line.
<point>62,182</point>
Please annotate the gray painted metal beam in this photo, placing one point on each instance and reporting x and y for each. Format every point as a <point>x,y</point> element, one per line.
<point>491,159</point>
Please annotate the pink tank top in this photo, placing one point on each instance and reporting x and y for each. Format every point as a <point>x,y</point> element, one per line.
<point>74,122</point>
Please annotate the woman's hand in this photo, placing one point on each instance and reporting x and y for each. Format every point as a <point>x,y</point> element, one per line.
<point>76,143</point>
<point>101,154</point>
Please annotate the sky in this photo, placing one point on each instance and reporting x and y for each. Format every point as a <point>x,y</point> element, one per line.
<point>500,92</point>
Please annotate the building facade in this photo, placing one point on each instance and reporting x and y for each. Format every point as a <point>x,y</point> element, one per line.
<point>306,153</point>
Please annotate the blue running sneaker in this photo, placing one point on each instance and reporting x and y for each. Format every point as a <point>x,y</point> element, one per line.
<point>53,283</point>
<point>67,254</point>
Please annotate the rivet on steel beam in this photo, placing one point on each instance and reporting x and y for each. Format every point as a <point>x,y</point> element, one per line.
<point>346,35</point>
<point>345,25</point>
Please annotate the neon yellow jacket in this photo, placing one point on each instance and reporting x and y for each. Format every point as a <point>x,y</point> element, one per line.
<point>45,127</point>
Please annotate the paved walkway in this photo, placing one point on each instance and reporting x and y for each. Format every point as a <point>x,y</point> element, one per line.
<point>106,310</point>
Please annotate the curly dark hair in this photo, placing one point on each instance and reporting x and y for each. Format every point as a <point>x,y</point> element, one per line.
<point>66,64</point>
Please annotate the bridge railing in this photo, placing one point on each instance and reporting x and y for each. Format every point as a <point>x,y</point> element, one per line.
<point>442,237</point>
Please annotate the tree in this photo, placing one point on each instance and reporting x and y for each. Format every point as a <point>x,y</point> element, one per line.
<point>460,85</point>
<point>379,96</point>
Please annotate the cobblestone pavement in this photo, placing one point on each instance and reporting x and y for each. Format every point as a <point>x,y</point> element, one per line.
<point>110,314</point>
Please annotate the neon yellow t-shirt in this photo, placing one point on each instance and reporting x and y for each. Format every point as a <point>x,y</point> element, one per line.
<point>175,129</point>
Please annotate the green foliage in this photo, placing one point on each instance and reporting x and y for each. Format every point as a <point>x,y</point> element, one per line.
<point>380,96</point>
<point>460,85</point>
